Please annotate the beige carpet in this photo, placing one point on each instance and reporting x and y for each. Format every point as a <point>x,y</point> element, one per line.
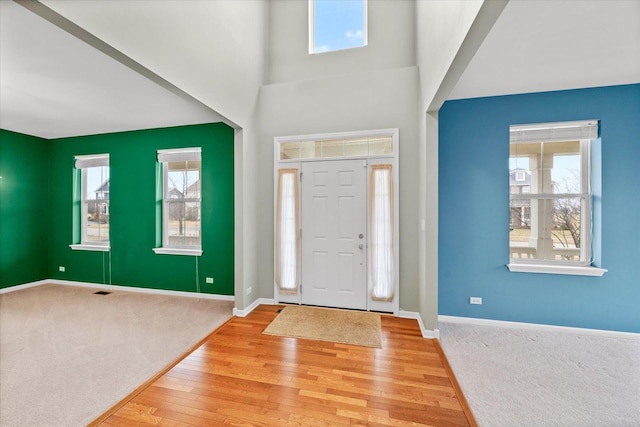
<point>543,377</point>
<point>67,355</point>
<point>327,324</point>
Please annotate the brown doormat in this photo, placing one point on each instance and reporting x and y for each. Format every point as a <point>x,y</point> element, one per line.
<point>327,324</point>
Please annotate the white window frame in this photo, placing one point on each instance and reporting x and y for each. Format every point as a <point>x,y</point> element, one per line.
<point>585,132</point>
<point>312,29</point>
<point>164,157</point>
<point>82,163</point>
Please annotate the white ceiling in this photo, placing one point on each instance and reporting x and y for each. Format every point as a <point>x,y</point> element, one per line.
<point>55,85</point>
<point>538,46</point>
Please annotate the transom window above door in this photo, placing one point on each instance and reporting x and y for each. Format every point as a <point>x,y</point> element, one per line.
<point>328,146</point>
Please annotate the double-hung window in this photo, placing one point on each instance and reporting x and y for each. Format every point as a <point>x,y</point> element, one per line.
<point>181,201</point>
<point>550,219</point>
<point>94,202</point>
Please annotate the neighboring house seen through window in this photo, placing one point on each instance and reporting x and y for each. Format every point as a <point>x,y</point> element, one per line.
<point>181,201</point>
<point>94,202</point>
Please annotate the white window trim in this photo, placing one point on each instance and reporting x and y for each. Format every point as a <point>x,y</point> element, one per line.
<point>557,269</point>
<point>82,162</point>
<point>177,251</point>
<point>312,30</point>
<point>86,247</point>
<point>394,133</point>
<point>587,131</point>
<point>554,131</point>
<point>163,157</point>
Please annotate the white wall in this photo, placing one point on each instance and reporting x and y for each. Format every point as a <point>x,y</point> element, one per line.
<point>212,50</point>
<point>449,33</point>
<point>373,87</point>
<point>245,216</point>
<point>442,26</point>
<point>391,42</point>
<point>372,100</point>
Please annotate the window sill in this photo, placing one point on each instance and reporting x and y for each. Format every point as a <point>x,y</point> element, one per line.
<point>176,251</point>
<point>95,248</point>
<point>557,269</point>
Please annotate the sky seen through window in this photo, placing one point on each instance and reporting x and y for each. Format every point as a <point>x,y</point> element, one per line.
<point>339,24</point>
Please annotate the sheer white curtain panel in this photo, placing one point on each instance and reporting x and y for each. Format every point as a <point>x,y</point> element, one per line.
<point>381,234</point>
<point>287,250</point>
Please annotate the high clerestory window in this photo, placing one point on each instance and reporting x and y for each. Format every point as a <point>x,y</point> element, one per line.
<point>550,222</point>
<point>337,25</point>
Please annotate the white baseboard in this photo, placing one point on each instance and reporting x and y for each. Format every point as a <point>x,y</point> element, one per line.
<point>426,333</point>
<point>23,286</point>
<point>252,306</point>
<point>536,326</point>
<point>120,288</point>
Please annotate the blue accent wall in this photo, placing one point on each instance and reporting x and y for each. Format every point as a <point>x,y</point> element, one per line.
<point>474,213</point>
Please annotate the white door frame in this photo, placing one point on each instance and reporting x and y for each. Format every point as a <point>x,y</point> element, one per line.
<point>296,161</point>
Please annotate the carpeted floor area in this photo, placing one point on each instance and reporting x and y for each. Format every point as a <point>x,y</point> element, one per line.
<point>523,377</point>
<point>67,355</point>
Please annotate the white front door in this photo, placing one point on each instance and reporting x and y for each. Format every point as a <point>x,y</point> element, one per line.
<point>334,226</point>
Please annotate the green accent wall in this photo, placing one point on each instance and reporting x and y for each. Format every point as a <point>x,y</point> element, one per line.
<point>24,208</point>
<point>133,211</point>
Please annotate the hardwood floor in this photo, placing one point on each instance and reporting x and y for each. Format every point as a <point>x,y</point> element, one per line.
<point>240,376</point>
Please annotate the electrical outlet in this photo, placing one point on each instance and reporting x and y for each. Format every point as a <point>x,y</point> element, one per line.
<point>209,279</point>
<point>475,300</point>
<point>61,268</point>
<point>249,290</point>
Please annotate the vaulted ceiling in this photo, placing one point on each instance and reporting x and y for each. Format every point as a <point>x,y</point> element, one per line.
<point>52,84</point>
<point>538,46</point>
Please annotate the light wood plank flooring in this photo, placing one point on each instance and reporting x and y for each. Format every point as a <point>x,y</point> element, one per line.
<point>240,376</point>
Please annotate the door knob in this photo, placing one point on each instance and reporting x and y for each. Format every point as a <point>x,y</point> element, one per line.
<point>361,235</point>
<point>361,246</point>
